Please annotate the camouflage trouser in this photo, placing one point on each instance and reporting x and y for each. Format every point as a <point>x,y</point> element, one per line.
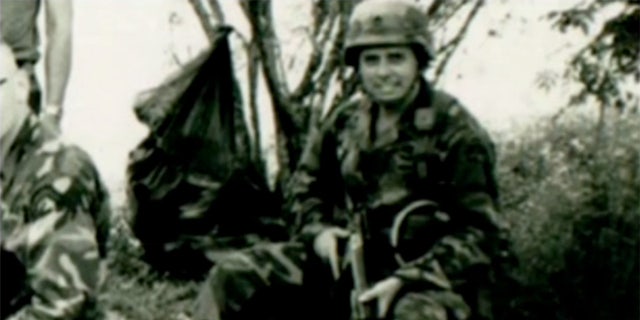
<point>281,281</point>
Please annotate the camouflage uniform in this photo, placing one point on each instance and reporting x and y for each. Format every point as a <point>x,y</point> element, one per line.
<point>439,153</point>
<point>55,215</point>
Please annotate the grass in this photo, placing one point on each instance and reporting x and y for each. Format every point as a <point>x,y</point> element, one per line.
<point>133,290</point>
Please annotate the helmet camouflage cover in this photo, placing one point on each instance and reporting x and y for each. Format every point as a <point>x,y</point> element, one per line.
<point>386,22</point>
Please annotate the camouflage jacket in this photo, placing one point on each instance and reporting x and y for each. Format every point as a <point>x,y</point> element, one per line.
<point>439,153</point>
<point>55,215</point>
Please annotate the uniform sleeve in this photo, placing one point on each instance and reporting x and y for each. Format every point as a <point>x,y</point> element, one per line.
<point>312,187</point>
<point>470,199</point>
<point>452,259</point>
<point>473,191</point>
<point>60,252</point>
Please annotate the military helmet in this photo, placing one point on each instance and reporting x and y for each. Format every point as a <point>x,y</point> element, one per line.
<point>385,22</point>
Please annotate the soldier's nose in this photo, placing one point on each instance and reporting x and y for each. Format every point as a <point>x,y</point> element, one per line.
<point>382,71</point>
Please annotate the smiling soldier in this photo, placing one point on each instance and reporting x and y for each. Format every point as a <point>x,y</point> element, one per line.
<point>408,170</point>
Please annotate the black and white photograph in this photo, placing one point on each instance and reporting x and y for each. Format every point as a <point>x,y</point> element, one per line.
<point>320,159</point>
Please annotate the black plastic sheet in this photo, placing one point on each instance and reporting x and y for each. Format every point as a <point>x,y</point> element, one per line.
<point>193,187</point>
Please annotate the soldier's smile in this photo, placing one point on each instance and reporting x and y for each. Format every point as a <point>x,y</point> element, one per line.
<point>388,73</point>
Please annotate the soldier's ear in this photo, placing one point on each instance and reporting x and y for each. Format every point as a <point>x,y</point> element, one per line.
<point>21,87</point>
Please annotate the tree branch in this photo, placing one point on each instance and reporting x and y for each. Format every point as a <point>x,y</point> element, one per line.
<point>319,12</point>
<point>203,16</point>
<point>327,55</point>
<point>438,22</point>
<point>455,42</point>
<point>216,11</point>
<point>434,7</point>
<point>320,44</point>
<point>253,63</point>
<point>258,13</point>
<point>333,57</point>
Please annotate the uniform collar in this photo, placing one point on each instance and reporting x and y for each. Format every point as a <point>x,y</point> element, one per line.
<point>420,115</point>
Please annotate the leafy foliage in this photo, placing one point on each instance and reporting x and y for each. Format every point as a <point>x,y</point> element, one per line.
<point>572,200</point>
<point>608,66</point>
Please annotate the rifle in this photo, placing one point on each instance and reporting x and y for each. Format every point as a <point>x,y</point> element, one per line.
<point>408,238</point>
<point>359,311</point>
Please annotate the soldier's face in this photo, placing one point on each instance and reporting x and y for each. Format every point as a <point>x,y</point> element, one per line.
<point>14,91</point>
<point>388,74</point>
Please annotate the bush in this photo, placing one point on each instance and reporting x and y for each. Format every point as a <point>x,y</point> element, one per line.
<point>571,196</point>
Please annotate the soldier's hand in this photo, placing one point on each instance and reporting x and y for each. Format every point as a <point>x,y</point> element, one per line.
<point>326,247</point>
<point>384,292</point>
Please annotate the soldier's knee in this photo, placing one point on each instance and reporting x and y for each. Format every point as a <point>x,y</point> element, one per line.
<point>229,285</point>
<point>430,306</point>
<point>234,272</point>
<point>414,306</point>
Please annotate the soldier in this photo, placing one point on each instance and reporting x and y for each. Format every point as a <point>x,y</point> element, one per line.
<point>55,214</point>
<point>409,169</point>
<point>19,28</point>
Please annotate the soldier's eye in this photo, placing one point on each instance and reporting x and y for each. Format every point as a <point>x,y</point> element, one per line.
<point>3,81</point>
<point>370,59</point>
<point>396,57</point>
